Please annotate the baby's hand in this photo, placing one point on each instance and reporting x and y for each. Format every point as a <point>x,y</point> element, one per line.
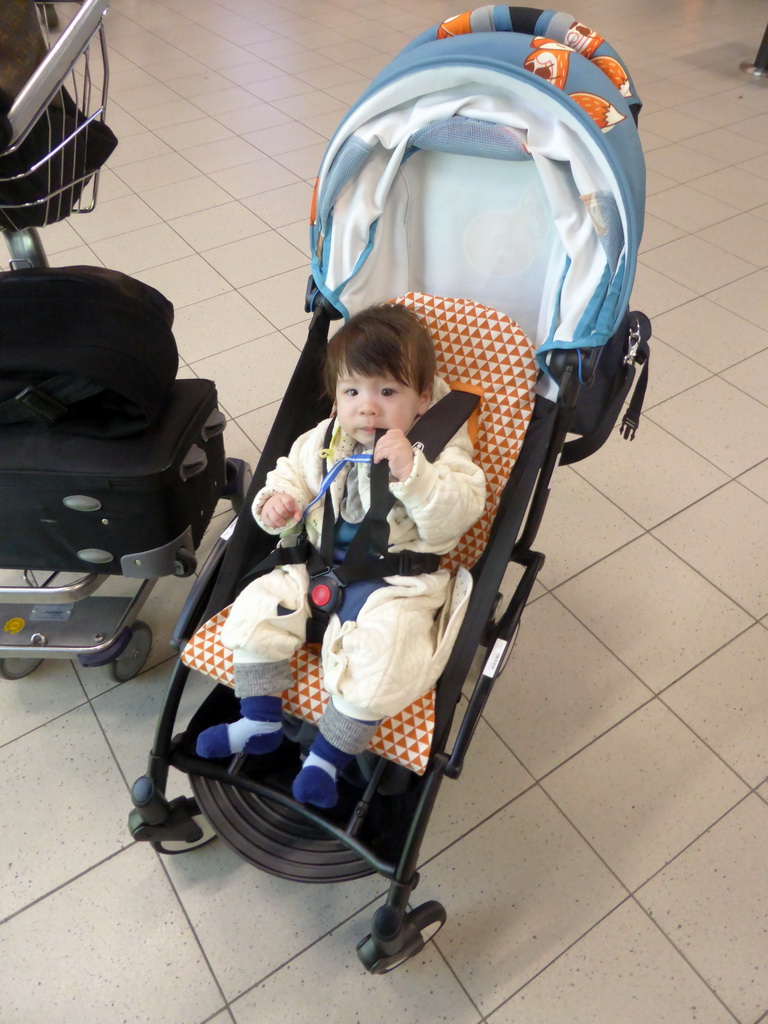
<point>396,448</point>
<point>278,510</point>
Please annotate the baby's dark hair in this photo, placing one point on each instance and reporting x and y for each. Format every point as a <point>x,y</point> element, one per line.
<point>383,340</point>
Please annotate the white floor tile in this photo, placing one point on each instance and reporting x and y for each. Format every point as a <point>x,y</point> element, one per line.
<point>680,162</point>
<point>673,374</point>
<point>127,714</point>
<point>719,536</point>
<point>711,904</point>
<point>709,417</point>
<point>280,298</point>
<point>254,374</point>
<point>736,187</point>
<point>742,236</point>
<point>570,543</point>
<point>196,195</point>
<point>616,972</point>
<point>141,146</point>
<point>280,206</point>
<point>155,171</point>
<point>546,709</point>
<point>115,945</point>
<point>727,143</point>
<point>653,293</point>
<point>219,154</point>
<point>689,209</point>
<point>625,785</point>
<point>697,264</point>
<point>751,376</point>
<point>114,217</point>
<point>546,888</point>
<point>463,804</point>
<point>757,479</point>
<point>139,250</point>
<point>709,334</point>
<point>28,703</point>
<point>220,225</point>
<point>424,990</point>
<point>747,297</point>
<point>250,923</point>
<point>187,280</point>
<point>215,324</point>
<point>723,701</point>
<point>67,768</point>
<point>655,613</point>
<point>254,176</point>
<point>639,478</point>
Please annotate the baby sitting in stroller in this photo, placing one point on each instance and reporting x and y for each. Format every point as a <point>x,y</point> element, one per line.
<point>381,631</point>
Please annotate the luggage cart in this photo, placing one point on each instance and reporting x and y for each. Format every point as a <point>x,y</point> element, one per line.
<point>47,167</point>
<point>48,171</point>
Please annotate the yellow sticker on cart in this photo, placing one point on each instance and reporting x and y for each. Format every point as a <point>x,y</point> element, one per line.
<point>14,625</point>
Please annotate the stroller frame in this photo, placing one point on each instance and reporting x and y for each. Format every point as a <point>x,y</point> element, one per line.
<point>397,931</point>
<point>247,800</point>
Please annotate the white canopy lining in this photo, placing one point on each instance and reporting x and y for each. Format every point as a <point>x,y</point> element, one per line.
<point>521,236</point>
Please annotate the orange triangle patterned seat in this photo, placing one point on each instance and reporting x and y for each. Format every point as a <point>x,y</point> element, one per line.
<point>480,350</point>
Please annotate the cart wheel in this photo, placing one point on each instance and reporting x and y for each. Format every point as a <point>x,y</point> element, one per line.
<point>173,847</point>
<point>131,661</point>
<point>17,668</point>
<point>417,928</point>
<point>184,564</point>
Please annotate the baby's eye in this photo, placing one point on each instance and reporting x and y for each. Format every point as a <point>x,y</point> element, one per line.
<point>351,392</point>
<point>388,392</point>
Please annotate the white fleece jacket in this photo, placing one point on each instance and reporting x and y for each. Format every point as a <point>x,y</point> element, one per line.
<point>380,663</point>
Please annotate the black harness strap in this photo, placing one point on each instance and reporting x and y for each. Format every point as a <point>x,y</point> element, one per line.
<point>367,557</point>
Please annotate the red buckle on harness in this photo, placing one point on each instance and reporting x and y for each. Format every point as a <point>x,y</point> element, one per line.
<point>326,592</point>
<point>321,595</point>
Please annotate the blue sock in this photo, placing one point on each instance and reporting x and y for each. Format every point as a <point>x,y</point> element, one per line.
<point>259,731</point>
<point>316,782</point>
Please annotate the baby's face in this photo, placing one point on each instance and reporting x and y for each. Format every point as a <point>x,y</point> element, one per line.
<point>367,404</point>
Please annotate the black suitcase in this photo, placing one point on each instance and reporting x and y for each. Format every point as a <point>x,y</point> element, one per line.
<point>136,507</point>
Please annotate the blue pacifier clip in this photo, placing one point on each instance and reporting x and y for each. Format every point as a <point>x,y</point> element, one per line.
<point>330,476</point>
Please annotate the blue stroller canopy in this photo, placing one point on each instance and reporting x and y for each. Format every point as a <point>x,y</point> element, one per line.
<point>495,158</point>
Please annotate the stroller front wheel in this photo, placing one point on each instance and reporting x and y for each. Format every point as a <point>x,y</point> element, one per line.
<point>397,938</point>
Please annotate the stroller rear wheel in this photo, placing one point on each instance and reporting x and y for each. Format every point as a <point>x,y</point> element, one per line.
<point>17,668</point>
<point>398,937</point>
<point>274,838</point>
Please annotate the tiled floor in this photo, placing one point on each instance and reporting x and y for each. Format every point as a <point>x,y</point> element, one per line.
<point>603,859</point>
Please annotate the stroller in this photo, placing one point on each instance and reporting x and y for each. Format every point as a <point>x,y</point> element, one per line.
<point>491,178</point>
